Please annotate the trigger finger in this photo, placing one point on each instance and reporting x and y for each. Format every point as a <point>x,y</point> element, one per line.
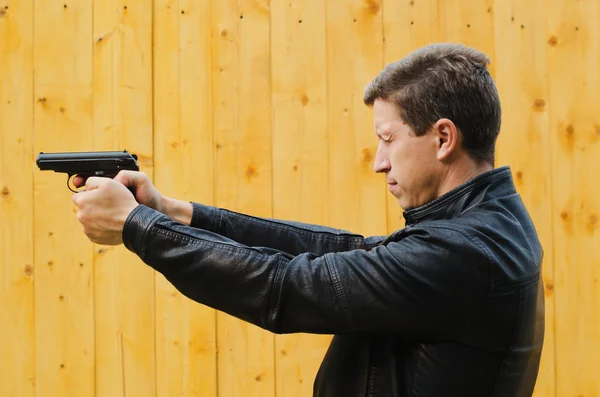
<point>79,181</point>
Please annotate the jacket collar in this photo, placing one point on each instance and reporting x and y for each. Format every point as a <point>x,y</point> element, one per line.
<point>491,184</point>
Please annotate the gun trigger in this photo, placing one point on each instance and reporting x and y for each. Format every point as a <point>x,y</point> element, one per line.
<point>69,183</point>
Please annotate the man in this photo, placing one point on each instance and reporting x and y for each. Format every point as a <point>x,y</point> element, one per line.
<point>450,305</point>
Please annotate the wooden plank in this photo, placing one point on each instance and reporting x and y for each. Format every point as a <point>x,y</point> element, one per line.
<point>300,167</point>
<point>407,26</point>
<point>573,39</point>
<point>354,56</point>
<point>242,116</point>
<point>186,331</point>
<point>521,76</point>
<point>64,304</point>
<point>17,338</point>
<point>124,286</point>
<point>469,22</point>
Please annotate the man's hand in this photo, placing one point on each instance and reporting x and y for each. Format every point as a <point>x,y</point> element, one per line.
<point>145,192</point>
<point>103,210</point>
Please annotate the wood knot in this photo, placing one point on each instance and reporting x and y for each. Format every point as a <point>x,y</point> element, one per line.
<point>224,33</point>
<point>258,378</point>
<point>61,298</point>
<point>5,192</point>
<point>295,168</point>
<point>284,352</point>
<point>569,129</point>
<point>411,3</point>
<point>218,146</point>
<point>564,215</point>
<point>304,100</point>
<point>42,100</point>
<point>549,288</point>
<point>251,172</point>
<point>539,105</point>
<point>50,263</point>
<point>62,109</point>
<point>366,155</point>
<point>553,40</point>
<point>3,12</point>
<point>28,270</point>
<point>62,366</point>
<point>373,6</point>
<point>519,177</point>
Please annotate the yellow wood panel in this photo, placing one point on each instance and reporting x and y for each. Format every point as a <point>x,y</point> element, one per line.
<point>63,121</point>
<point>242,116</point>
<point>521,76</point>
<point>186,339</point>
<point>573,46</point>
<point>106,77</point>
<point>300,154</point>
<point>354,56</point>
<point>17,343</point>
<point>124,286</point>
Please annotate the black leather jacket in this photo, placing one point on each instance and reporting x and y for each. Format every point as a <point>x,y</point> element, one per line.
<point>450,305</point>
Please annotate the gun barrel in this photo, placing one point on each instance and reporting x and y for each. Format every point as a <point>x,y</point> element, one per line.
<point>87,162</point>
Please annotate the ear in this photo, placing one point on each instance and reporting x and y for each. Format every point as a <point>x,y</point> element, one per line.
<point>446,138</point>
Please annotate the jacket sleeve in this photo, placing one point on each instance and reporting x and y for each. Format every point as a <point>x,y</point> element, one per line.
<point>428,283</point>
<point>290,237</point>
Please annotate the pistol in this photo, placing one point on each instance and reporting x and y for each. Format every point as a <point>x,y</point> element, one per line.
<point>87,164</point>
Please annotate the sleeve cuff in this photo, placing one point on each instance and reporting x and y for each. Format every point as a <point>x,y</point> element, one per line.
<point>136,227</point>
<point>205,217</point>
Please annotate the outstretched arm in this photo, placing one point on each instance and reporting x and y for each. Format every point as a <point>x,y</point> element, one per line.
<point>425,282</point>
<point>290,237</point>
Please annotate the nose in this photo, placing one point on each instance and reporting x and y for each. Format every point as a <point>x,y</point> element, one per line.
<point>382,162</point>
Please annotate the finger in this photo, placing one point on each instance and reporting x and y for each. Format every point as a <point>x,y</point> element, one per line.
<point>76,199</point>
<point>128,178</point>
<point>95,182</point>
<point>78,181</point>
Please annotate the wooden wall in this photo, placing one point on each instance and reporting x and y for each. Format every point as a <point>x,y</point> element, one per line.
<point>255,105</point>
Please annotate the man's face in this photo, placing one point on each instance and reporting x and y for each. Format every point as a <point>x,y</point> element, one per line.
<point>408,161</point>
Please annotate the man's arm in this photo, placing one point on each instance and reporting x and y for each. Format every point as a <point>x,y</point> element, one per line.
<point>425,284</point>
<point>291,237</point>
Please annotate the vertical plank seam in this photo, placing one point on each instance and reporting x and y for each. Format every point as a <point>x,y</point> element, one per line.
<point>93,246</point>
<point>214,179</point>
<point>33,201</point>
<point>552,206</point>
<point>272,144</point>
<point>153,116</point>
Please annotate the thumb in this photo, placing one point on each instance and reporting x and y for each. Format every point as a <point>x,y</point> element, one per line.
<point>128,178</point>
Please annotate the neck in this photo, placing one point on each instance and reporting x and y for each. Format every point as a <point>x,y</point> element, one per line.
<point>461,172</point>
